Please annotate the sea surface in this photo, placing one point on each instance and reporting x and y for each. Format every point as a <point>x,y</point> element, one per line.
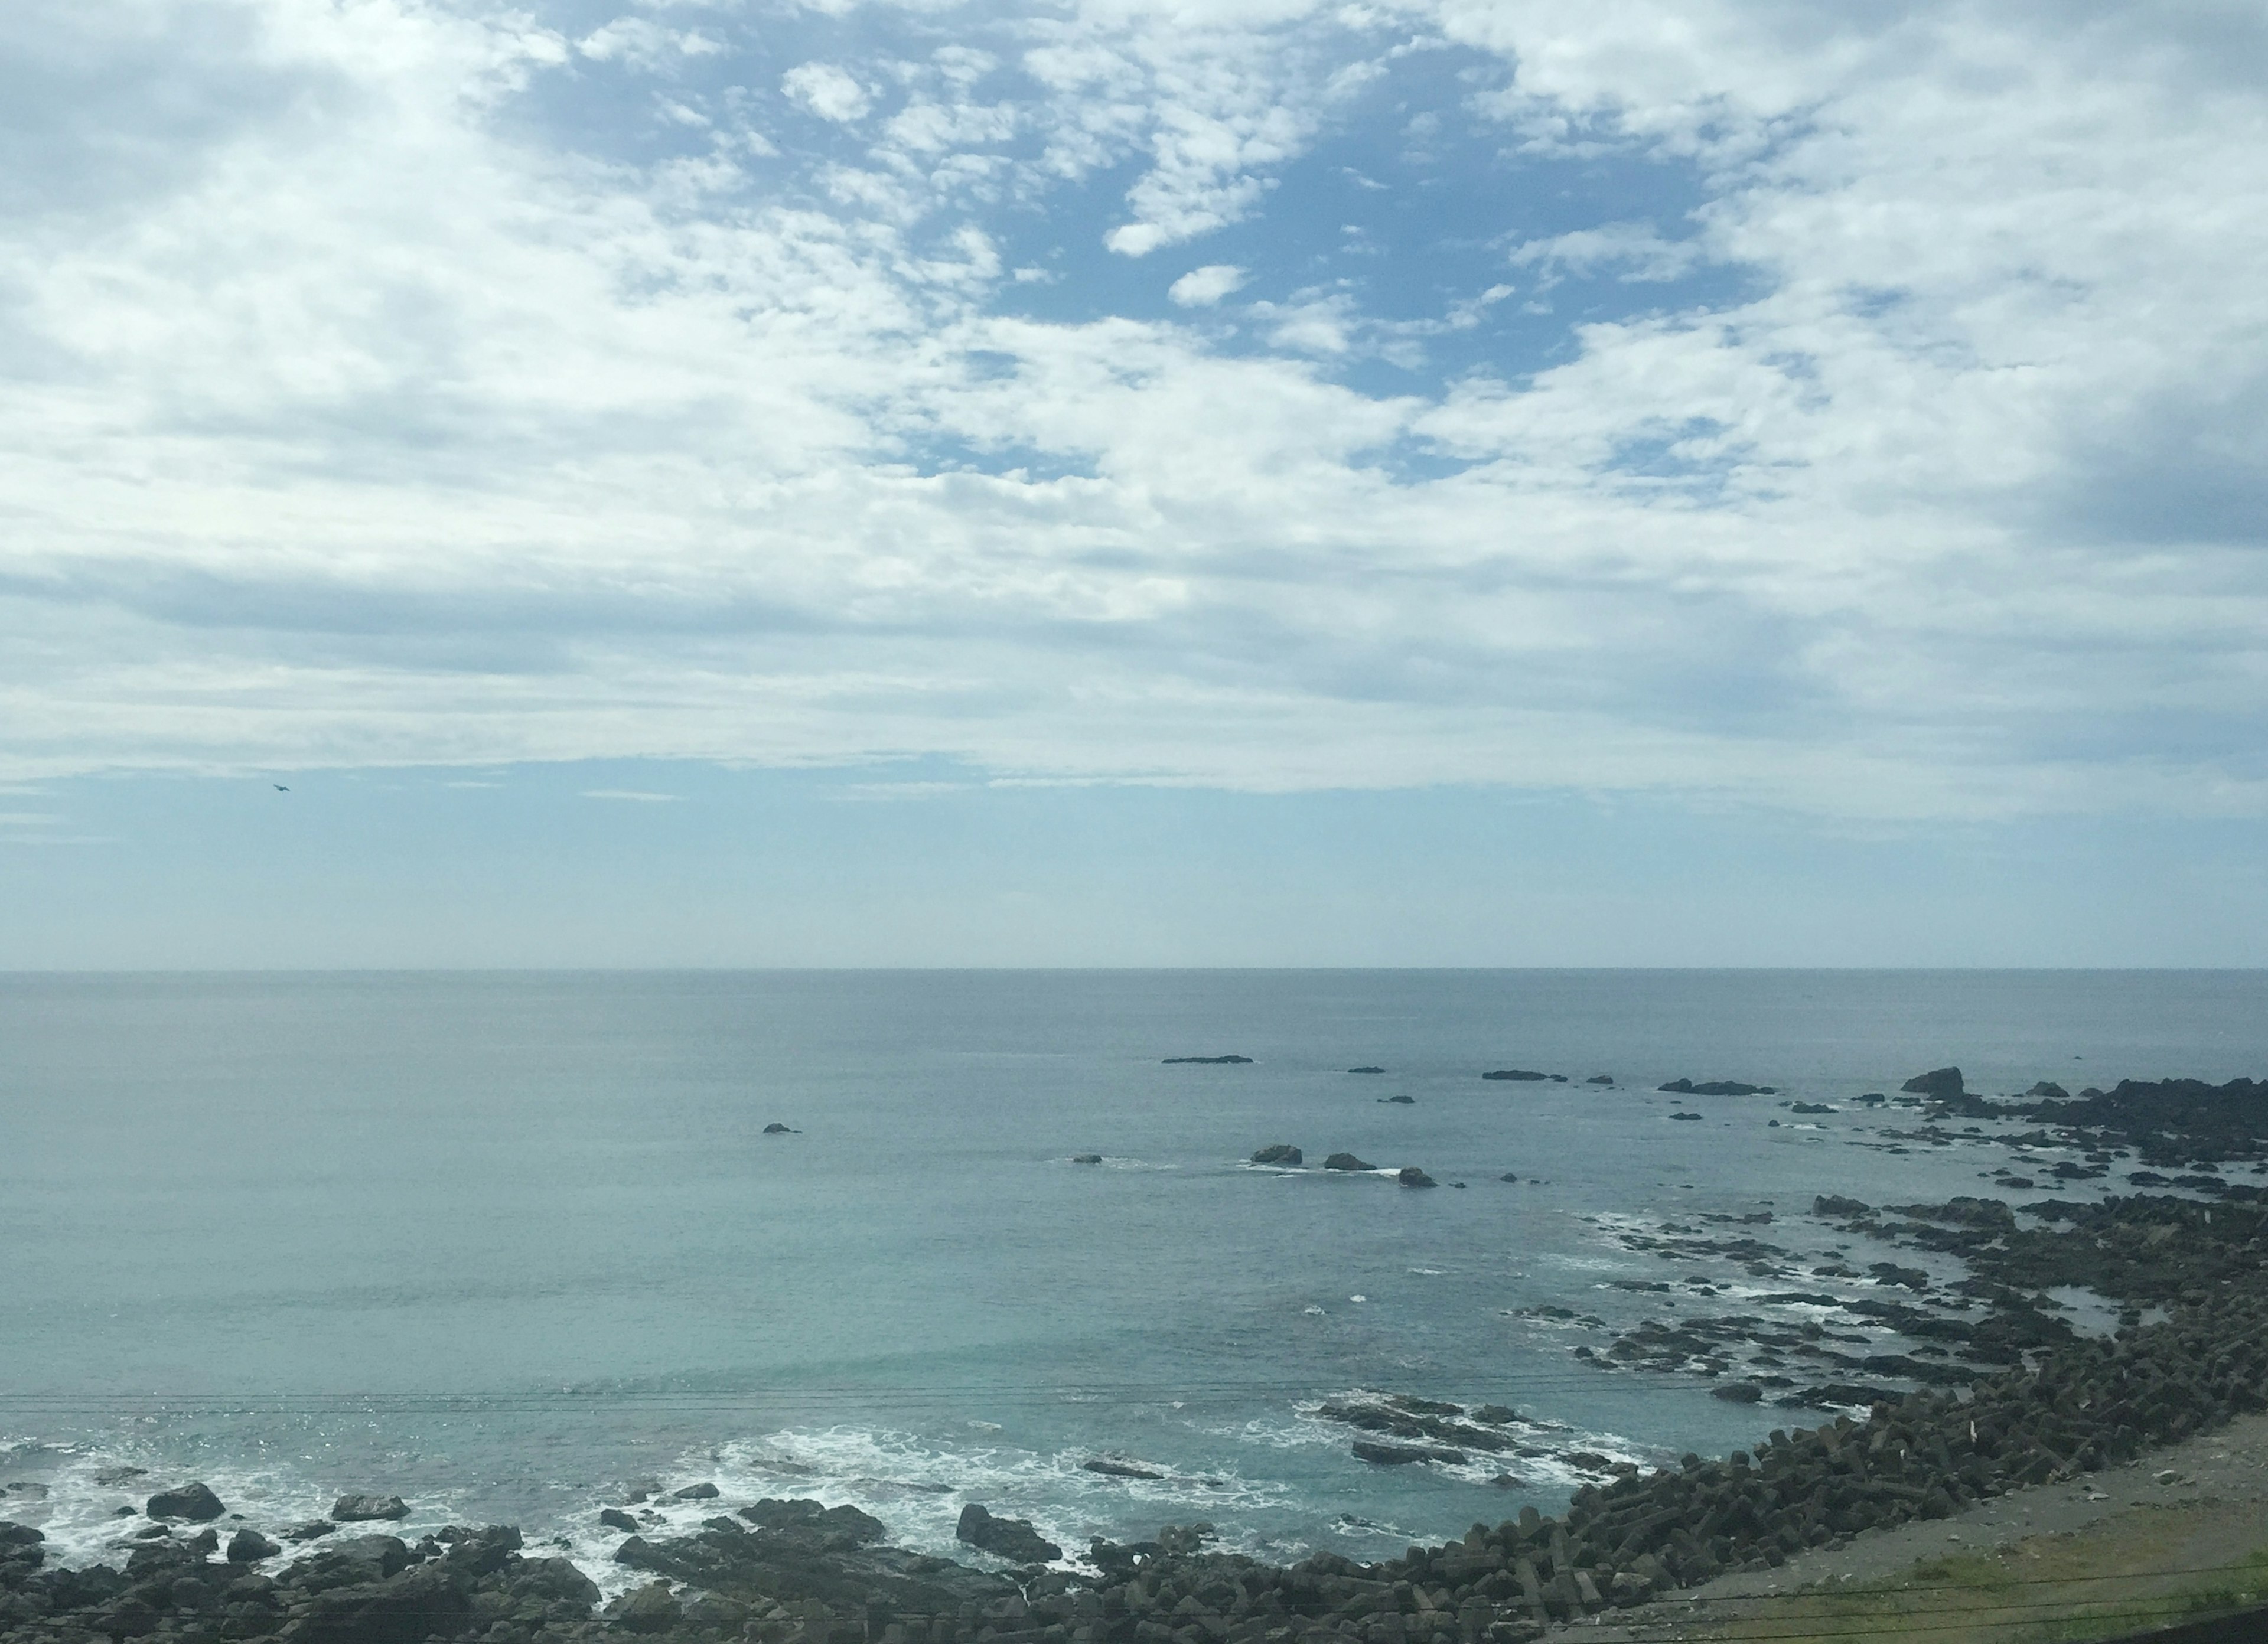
<point>511,1246</point>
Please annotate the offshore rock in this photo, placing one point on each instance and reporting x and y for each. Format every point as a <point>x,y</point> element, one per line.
<point>1120,1469</point>
<point>1278,1153</point>
<point>1411,1176</point>
<point>799,1552</point>
<point>1386,1454</point>
<point>1520,1075</point>
<point>1941,1083</point>
<point>1716,1086</point>
<point>1206,1061</point>
<point>1345,1162</point>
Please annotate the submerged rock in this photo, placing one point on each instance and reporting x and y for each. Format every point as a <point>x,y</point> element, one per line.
<point>1120,1469</point>
<point>1386,1454</point>
<point>1086,1158</point>
<point>1366,1071</point>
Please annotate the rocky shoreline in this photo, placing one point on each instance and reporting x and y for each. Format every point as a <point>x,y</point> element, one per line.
<point>2020,1398</point>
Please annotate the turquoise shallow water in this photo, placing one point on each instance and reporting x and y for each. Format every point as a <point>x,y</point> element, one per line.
<point>505,1242</point>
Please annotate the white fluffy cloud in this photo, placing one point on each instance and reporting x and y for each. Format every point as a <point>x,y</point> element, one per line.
<point>353,421</point>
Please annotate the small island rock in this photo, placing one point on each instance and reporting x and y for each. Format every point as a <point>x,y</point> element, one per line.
<point>1345,1162</point>
<point>1411,1176</point>
<point>1278,1153</point>
<point>1939,1081</point>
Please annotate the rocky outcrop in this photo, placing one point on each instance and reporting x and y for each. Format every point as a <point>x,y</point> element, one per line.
<point>1365,1069</point>
<point>1716,1086</point>
<point>1940,1083</point>
<point>1206,1061</point>
<point>1278,1153</point>
<point>1011,1538</point>
<point>1521,1075</point>
<point>1411,1176</point>
<point>1345,1162</point>
<point>1110,1469</point>
<point>249,1546</point>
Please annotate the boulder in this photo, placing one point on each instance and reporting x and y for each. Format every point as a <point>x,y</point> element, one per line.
<point>1837,1205</point>
<point>19,1535</point>
<point>653,1607</point>
<point>1509,1175</point>
<point>196,1502</point>
<point>1401,1101</point>
<point>2047,1090</point>
<point>1345,1162</point>
<point>1737,1392</point>
<point>1411,1176</point>
<point>1600,1078</point>
<point>702,1491</point>
<point>778,1129</point>
<point>615,1518</point>
<point>421,1603</point>
<point>249,1546</point>
<point>1086,1158</point>
<point>361,1509</point>
<point>1011,1538</point>
<point>1278,1153</point>
<point>1938,1081</point>
<point>312,1529</point>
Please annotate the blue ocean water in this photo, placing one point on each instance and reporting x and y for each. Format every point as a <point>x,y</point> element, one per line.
<point>508,1245</point>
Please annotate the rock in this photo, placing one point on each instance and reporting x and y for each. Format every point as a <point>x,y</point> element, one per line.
<point>1086,1158</point>
<point>1964,1211</point>
<point>1011,1538</point>
<point>1835,1205</point>
<point>1496,1415</point>
<point>615,1518</point>
<point>778,1129</point>
<point>2047,1090</point>
<point>113,1477</point>
<point>1278,1153</point>
<point>1600,1078</point>
<point>196,1502</point>
<point>312,1529</point>
<point>1411,1176</point>
<point>1687,1118</point>
<point>1716,1086</point>
<point>1385,1455</point>
<point>1737,1392</point>
<point>357,1510</point>
<point>249,1546</point>
<point>25,1491</point>
<point>702,1491</point>
<point>1366,1071</point>
<point>1206,1061</point>
<point>1938,1081</point>
<point>1520,1074</point>
<point>1401,1101</point>
<point>1345,1162</point>
<point>1809,1108</point>
<point>1120,1469</point>
<point>653,1607</point>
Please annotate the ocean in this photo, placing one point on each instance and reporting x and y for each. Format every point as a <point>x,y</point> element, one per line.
<point>513,1245</point>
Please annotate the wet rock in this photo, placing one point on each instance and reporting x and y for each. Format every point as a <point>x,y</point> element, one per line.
<point>615,1518</point>
<point>1086,1158</point>
<point>704,1491</point>
<point>1941,1083</point>
<point>1278,1153</point>
<point>360,1509</point>
<point>310,1531</point>
<point>249,1546</point>
<point>1366,1071</point>
<point>1206,1061</point>
<point>196,1502</point>
<point>1737,1392</point>
<point>1687,1118</point>
<point>1600,1078</point>
<point>778,1129</point>
<point>1120,1469</point>
<point>1389,1455</point>
<point>652,1608</point>
<point>1345,1162</point>
<point>1398,1100</point>
<point>2047,1090</point>
<point>1011,1538</point>
<point>1411,1176</point>
<point>1509,1175</point>
<point>1836,1207</point>
<point>1522,1076</point>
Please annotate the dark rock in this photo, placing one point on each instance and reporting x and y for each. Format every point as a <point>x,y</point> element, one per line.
<point>474,1553</point>
<point>19,1535</point>
<point>1939,1081</point>
<point>1809,1108</point>
<point>778,1129</point>
<point>1520,1074</point>
<point>1687,1118</point>
<point>1086,1158</point>
<point>1496,1415</point>
<point>1206,1061</point>
<point>1835,1205</point>
<point>1120,1469</point>
<point>1411,1176</point>
<point>1737,1392</point>
<point>312,1529</point>
<point>1508,1177</point>
<point>249,1546</point>
<point>1345,1162</point>
<point>615,1518</point>
<point>1011,1538</point>
<point>1962,1212</point>
<point>2047,1090</point>
<point>360,1510</point>
<point>357,1561</point>
<point>1386,1454</point>
<point>196,1502</point>
<point>1600,1078</point>
<point>1278,1153</point>
<point>1366,1071</point>
<point>652,1608</point>
<point>1716,1086</point>
<point>702,1491</point>
<point>1400,1101</point>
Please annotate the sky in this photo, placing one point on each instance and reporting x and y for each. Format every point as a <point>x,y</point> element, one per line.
<point>1090,481</point>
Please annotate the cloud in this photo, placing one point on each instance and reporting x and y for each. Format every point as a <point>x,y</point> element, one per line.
<point>390,384</point>
<point>1202,288</point>
<point>827,91</point>
<point>632,796</point>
